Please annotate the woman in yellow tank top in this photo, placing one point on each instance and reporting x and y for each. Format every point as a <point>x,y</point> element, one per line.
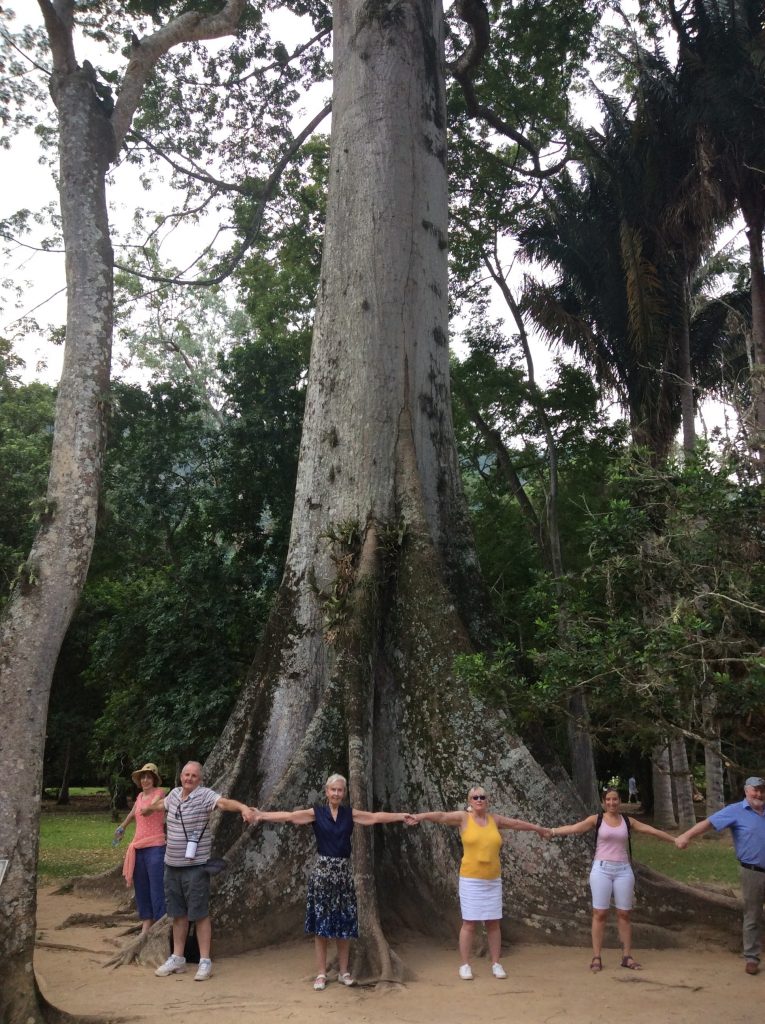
<point>480,881</point>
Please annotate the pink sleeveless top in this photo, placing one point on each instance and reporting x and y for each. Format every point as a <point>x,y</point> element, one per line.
<point>149,826</point>
<point>612,842</point>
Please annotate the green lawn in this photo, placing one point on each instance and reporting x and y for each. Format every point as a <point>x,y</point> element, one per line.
<point>75,842</point>
<point>709,860</point>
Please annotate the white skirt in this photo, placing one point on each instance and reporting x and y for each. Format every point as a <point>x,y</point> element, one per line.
<point>481,899</point>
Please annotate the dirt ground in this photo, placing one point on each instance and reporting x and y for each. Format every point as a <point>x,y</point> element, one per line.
<point>545,984</point>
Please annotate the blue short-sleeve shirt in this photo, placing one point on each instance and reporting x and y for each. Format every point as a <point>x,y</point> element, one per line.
<point>747,828</point>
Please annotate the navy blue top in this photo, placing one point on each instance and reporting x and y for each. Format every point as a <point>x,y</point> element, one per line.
<point>748,828</point>
<point>333,837</point>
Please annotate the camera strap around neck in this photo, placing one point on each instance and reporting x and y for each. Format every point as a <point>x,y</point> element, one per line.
<point>183,823</point>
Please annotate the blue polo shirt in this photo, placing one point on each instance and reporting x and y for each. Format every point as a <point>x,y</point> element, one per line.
<point>748,829</point>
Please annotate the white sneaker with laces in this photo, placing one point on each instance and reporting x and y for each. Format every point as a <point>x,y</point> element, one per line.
<point>204,970</point>
<point>498,970</point>
<point>173,965</point>
<point>466,973</point>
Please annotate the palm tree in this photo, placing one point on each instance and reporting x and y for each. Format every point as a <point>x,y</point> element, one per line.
<point>722,78</point>
<point>625,236</point>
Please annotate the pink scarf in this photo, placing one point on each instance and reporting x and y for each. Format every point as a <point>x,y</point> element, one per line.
<point>128,866</point>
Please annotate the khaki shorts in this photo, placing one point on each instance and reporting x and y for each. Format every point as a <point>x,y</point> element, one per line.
<point>187,892</point>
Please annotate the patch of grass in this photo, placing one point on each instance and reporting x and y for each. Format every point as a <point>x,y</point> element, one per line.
<point>76,843</point>
<point>709,860</point>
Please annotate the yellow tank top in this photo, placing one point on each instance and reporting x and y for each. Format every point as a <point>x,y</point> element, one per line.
<point>480,846</point>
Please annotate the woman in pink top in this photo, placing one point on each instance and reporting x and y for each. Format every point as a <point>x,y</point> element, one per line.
<point>145,856</point>
<point>611,875</point>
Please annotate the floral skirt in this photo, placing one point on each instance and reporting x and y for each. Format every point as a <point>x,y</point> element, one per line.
<point>331,905</point>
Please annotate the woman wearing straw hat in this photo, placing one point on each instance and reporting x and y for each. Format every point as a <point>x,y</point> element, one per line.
<point>145,856</point>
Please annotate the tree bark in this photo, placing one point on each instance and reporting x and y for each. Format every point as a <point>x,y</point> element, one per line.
<point>681,781</point>
<point>44,599</point>
<point>63,790</point>
<point>663,811</point>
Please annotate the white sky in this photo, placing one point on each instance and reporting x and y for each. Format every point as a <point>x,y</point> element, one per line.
<point>29,184</point>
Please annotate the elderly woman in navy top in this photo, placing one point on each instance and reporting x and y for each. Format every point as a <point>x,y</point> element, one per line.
<point>331,904</point>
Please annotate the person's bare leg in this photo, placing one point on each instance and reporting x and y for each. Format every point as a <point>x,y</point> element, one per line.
<point>598,930</point>
<point>146,923</point>
<point>180,932</point>
<point>467,932</point>
<point>343,955</point>
<point>494,939</point>
<point>624,925</point>
<point>320,952</point>
<point>203,929</point>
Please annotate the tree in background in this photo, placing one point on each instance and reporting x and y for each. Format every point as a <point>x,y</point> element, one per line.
<point>91,132</point>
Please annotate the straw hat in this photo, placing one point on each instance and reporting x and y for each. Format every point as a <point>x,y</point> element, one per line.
<point>148,767</point>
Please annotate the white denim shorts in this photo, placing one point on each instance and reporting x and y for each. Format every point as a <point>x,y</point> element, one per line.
<point>612,878</point>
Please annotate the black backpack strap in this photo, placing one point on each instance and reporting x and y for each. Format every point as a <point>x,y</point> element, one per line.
<point>629,833</point>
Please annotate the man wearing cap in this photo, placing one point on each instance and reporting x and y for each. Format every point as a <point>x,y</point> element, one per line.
<point>746,820</point>
<point>187,882</point>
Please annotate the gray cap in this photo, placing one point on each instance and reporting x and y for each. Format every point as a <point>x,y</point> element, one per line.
<point>754,780</point>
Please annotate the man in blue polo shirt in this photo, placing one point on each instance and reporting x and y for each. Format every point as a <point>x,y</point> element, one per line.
<point>746,820</point>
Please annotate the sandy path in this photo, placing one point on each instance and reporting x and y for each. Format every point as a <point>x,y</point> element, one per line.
<point>546,985</point>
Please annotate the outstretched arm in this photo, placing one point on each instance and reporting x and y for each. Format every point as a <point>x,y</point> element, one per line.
<point>379,817</point>
<point>649,830</point>
<point>702,826</point>
<point>248,813</point>
<point>519,825</point>
<point>442,817</point>
<point>576,829</point>
<point>303,816</point>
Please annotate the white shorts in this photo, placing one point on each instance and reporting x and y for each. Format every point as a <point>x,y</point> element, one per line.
<point>481,899</point>
<point>612,878</point>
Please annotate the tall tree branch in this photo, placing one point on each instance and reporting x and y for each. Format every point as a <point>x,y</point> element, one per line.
<point>186,28</point>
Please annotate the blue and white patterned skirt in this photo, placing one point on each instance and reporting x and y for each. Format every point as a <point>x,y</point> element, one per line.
<point>331,905</point>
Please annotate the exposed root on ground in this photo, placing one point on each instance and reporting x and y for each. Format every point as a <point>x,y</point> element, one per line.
<point>149,948</point>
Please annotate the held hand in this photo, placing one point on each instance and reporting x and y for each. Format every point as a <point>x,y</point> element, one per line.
<point>682,843</point>
<point>411,819</point>
<point>546,833</point>
<point>250,815</point>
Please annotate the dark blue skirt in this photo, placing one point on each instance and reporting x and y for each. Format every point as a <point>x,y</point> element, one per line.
<point>331,905</point>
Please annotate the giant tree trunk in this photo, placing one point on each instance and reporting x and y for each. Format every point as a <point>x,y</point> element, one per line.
<point>380,590</point>
<point>45,597</point>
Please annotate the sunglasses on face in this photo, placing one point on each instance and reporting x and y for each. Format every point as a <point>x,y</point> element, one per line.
<point>480,796</point>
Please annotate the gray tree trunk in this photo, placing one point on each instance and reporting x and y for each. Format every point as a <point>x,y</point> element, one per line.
<point>663,811</point>
<point>44,600</point>
<point>682,783</point>
<point>41,606</point>
<point>381,588</point>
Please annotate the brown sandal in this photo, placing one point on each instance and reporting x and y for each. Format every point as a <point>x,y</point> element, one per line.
<point>596,964</point>
<point>631,964</point>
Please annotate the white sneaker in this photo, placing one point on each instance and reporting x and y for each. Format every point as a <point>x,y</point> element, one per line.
<point>466,973</point>
<point>498,971</point>
<point>204,970</point>
<point>173,965</point>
